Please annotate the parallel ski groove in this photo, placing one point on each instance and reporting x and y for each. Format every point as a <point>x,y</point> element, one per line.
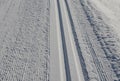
<point>67,69</point>
<point>75,67</point>
<point>86,77</point>
<point>74,64</point>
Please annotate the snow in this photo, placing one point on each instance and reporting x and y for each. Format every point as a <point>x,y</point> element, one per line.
<point>92,55</point>
<point>59,40</point>
<point>24,40</point>
<point>105,23</point>
<point>110,12</point>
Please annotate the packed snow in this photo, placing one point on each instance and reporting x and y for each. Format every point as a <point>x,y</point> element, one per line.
<point>110,12</point>
<point>59,40</point>
<point>104,18</point>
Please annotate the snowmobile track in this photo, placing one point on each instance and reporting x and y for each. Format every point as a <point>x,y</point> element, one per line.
<point>98,64</point>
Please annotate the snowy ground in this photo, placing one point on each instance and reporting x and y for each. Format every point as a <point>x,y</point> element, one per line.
<point>110,10</point>
<point>104,18</point>
<point>59,40</point>
<point>96,39</point>
<point>24,40</point>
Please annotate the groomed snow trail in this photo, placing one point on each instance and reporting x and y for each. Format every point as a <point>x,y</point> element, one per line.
<point>56,40</point>
<point>70,67</point>
<point>77,55</point>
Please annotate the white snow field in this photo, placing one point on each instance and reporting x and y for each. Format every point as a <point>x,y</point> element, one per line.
<point>59,40</point>
<point>24,40</point>
<point>110,11</point>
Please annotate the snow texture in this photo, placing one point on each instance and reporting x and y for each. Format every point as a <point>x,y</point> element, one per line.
<point>24,40</point>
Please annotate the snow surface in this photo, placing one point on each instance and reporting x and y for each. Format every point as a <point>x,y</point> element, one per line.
<point>59,40</point>
<point>110,12</point>
<point>96,42</point>
<point>24,40</point>
<point>104,19</point>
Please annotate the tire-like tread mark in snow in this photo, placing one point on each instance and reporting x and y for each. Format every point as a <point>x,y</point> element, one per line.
<point>99,67</point>
<point>98,64</point>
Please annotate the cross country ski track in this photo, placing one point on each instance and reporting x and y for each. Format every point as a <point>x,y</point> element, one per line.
<point>54,40</point>
<point>73,65</point>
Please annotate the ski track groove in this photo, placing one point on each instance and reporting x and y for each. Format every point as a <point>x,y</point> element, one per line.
<point>99,66</point>
<point>66,57</point>
<point>67,69</point>
<point>86,77</point>
<point>95,59</point>
<point>76,55</point>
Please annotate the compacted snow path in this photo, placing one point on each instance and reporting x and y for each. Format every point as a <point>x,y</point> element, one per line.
<point>78,55</point>
<point>70,69</point>
<point>56,40</point>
